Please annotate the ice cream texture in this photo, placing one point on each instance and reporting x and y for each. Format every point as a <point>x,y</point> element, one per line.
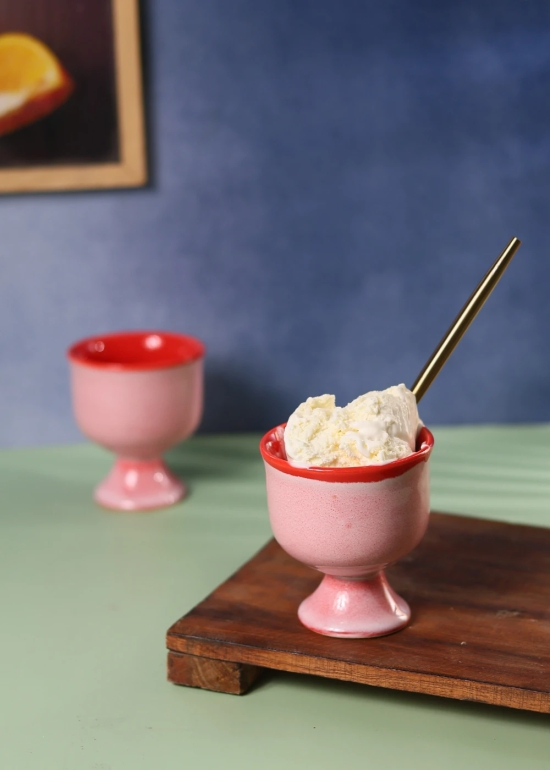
<point>377,427</point>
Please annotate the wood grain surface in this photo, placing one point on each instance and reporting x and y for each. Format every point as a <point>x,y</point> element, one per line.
<point>209,674</point>
<point>480,596</point>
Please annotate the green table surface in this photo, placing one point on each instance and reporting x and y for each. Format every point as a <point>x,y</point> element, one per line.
<point>87,596</point>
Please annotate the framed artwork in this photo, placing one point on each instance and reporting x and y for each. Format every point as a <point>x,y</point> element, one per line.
<point>71,111</point>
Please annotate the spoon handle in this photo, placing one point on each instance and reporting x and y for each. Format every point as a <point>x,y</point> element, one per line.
<point>463,320</point>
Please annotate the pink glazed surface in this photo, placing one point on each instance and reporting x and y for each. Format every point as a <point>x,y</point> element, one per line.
<point>138,414</point>
<point>350,528</point>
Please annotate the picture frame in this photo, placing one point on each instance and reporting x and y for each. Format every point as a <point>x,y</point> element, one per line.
<point>123,162</point>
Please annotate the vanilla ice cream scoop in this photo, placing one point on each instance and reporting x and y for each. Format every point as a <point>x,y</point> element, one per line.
<point>376,428</point>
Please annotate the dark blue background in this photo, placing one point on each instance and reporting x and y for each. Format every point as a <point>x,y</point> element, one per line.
<point>329,182</point>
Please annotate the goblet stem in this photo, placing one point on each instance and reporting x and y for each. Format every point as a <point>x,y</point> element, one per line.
<point>354,608</point>
<point>139,485</point>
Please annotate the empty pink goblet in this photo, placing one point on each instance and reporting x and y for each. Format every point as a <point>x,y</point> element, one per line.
<point>138,394</point>
<point>350,524</point>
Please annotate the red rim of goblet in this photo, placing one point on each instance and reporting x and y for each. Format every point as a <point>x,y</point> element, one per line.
<point>272,451</point>
<point>136,350</point>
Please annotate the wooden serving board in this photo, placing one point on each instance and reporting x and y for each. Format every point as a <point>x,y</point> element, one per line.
<point>480,630</point>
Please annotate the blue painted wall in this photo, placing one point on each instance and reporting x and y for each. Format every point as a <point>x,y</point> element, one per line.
<point>330,180</point>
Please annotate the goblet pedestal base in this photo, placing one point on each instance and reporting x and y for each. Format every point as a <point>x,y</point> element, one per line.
<point>139,485</point>
<point>354,608</point>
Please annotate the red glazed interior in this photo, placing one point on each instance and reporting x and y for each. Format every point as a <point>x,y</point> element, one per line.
<point>127,351</point>
<point>273,452</point>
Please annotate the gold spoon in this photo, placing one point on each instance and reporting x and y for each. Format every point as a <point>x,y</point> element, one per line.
<point>463,320</point>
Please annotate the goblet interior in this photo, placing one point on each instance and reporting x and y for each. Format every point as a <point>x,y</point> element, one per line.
<point>349,523</point>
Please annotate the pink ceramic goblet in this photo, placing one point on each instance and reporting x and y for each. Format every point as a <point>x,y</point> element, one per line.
<point>138,394</point>
<point>349,523</point>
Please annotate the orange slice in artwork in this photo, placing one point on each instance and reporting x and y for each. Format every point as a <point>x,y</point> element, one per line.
<point>33,82</point>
